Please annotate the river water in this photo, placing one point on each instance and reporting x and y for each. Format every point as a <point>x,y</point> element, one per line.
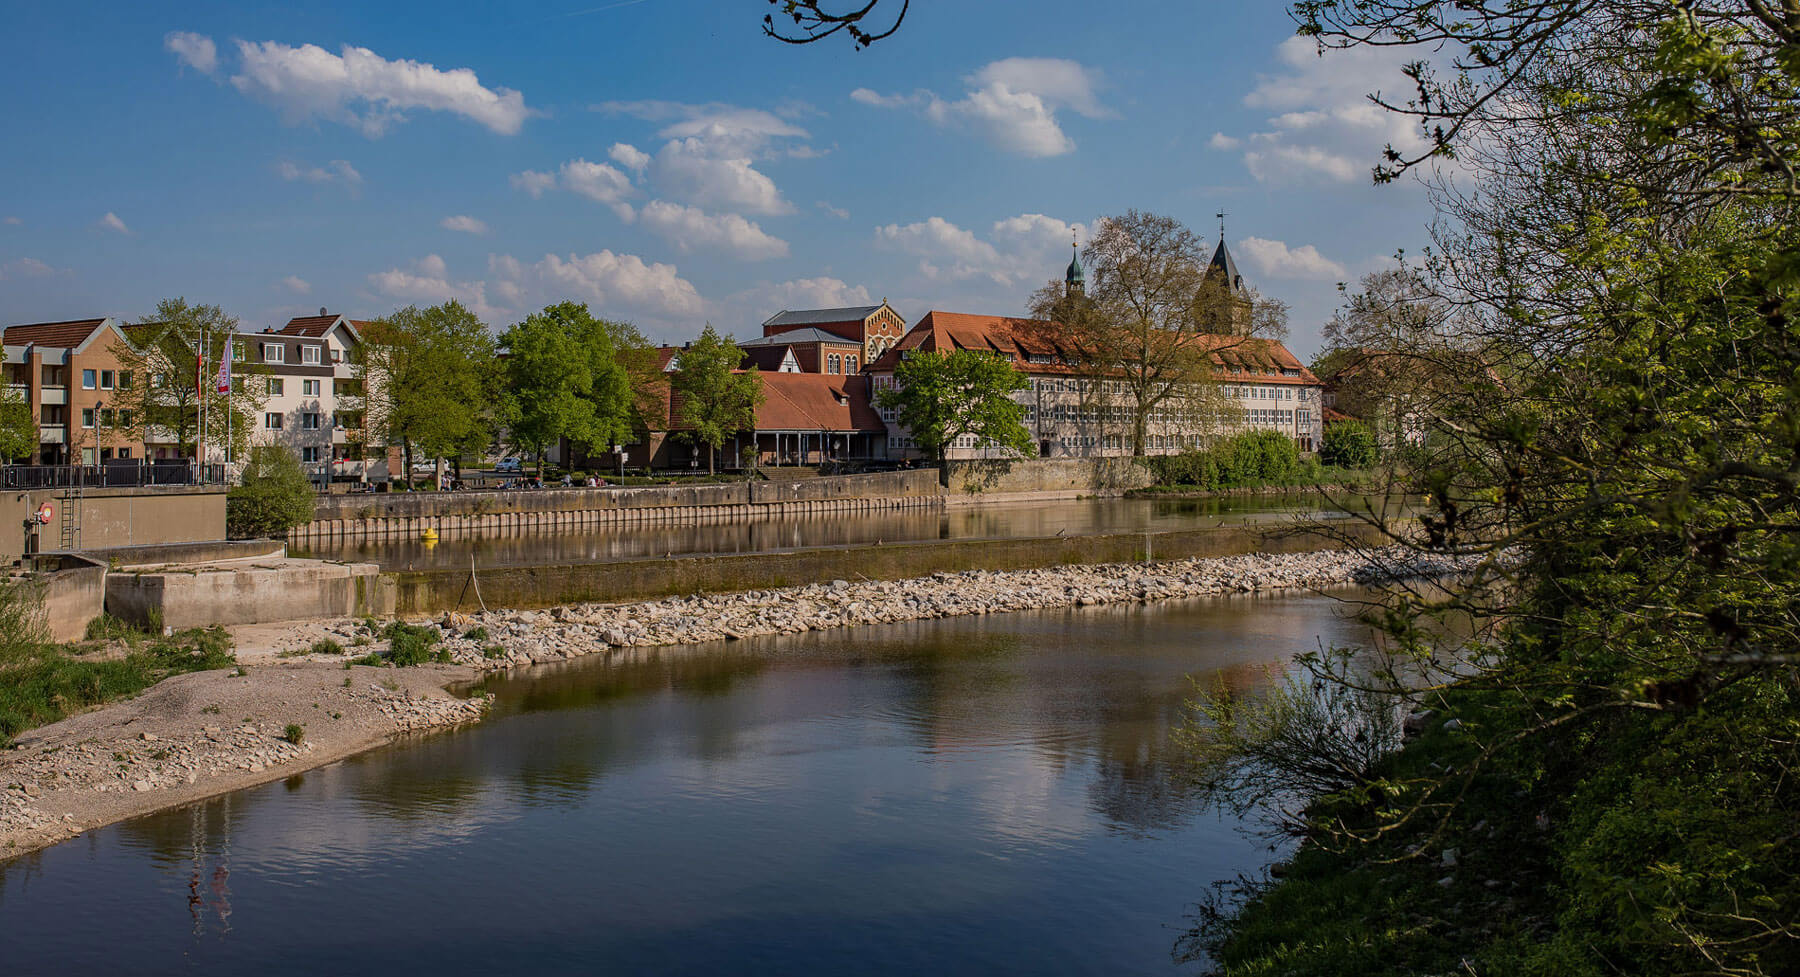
<point>1065,517</point>
<point>964,796</point>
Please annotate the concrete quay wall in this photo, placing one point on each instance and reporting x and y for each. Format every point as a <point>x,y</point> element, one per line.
<point>433,591</point>
<point>283,591</point>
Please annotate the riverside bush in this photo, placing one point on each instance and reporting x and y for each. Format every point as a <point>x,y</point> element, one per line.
<point>275,496</point>
<point>411,644</point>
<point>1349,444</point>
<point>1249,458</point>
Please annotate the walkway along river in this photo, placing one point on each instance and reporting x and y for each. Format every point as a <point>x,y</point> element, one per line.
<point>958,796</point>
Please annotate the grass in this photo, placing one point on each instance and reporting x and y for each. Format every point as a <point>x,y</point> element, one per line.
<point>326,646</point>
<point>41,682</point>
<point>493,651</point>
<point>413,644</point>
<point>477,633</point>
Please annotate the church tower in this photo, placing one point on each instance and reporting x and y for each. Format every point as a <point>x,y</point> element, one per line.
<point>1224,299</point>
<point>1074,279</point>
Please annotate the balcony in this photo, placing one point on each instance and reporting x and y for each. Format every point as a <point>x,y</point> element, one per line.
<point>53,395</point>
<point>51,435</point>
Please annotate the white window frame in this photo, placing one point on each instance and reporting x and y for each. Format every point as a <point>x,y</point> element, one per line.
<point>310,356</point>
<point>274,353</point>
<point>309,388</point>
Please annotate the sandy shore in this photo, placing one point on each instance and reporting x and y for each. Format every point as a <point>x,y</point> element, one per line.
<point>203,734</point>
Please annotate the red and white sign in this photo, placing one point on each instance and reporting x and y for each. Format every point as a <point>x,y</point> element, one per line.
<point>45,513</point>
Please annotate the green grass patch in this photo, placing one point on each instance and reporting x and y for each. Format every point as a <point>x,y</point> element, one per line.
<point>41,683</point>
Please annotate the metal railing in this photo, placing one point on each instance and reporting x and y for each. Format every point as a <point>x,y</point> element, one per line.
<point>116,474</point>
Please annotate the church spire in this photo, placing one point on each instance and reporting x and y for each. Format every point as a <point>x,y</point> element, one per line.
<point>1074,279</point>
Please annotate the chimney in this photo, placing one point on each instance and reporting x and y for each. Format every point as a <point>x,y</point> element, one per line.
<point>322,310</point>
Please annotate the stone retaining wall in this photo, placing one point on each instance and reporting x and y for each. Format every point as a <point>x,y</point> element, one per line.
<point>292,590</point>
<point>433,591</point>
<point>406,515</point>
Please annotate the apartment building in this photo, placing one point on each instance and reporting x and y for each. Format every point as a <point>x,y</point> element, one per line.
<point>71,375</point>
<point>313,395</point>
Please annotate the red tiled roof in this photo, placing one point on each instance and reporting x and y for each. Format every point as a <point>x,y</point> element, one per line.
<point>63,335</point>
<point>1333,415</point>
<point>1019,339</point>
<point>312,326</point>
<point>816,402</point>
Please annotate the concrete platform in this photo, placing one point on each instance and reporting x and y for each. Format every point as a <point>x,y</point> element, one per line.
<point>248,591</point>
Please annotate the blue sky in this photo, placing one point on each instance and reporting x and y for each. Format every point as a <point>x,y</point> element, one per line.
<point>662,161</point>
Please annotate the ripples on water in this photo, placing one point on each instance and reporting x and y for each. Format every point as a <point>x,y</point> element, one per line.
<point>969,795</point>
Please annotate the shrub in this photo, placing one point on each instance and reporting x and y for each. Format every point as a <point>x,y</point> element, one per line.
<point>1348,444</point>
<point>410,644</point>
<point>107,628</point>
<point>493,651</point>
<point>294,733</point>
<point>275,496</point>
<point>476,634</point>
<point>326,646</point>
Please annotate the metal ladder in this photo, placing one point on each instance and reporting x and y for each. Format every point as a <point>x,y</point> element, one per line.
<point>71,519</point>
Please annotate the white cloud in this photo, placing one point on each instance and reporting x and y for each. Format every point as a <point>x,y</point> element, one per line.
<point>838,212</point>
<point>1322,123</point>
<point>12,221</point>
<point>689,228</point>
<point>726,129</point>
<point>362,89</point>
<point>467,225</point>
<point>25,268</point>
<point>111,222</point>
<point>296,284</point>
<point>1276,260</point>
<point>607,279</point>
<point>755,304</point>
<point>428,283</point>
<point>599,182</point>
<point>1029,250</point>
<point>629,156</point>
<point>1013,102</point>
<point>197,51</point>
<point>534,182</point>
<point>336,171</point>
<point>692,170</point>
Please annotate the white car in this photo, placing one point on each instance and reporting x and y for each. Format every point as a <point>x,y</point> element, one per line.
<point>509,466</point>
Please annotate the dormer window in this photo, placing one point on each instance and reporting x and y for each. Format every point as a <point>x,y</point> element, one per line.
<point>309,355</point>
<point>274,353</point>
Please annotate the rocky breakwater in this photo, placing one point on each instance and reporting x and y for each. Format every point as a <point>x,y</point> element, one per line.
<point>502,638</point>
<point>206,733</point>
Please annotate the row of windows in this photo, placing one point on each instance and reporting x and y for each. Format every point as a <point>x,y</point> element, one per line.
<point>1267,393</point>
<point>277,353</point>
<point>106,416</point>
<point>840,363</point>
<point>308,422</point>
<point>90,379</point>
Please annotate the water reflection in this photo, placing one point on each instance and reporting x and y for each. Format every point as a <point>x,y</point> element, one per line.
<point>965,795</point>
<point>1068,517</point>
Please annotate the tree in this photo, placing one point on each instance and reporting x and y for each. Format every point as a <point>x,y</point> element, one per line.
<point>166,397</point>
<point>1139,327</point>
<point>717,401</point>
<point>568,379</point>
<point>431,381</point>
<point>18,427</point>
<point>812,22</point>
<point>939,397</point>
<point>276,495</point>
<point>1348,444</point>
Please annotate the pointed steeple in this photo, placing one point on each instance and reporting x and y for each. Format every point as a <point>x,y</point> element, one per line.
<point>1074,278</point>
<point>1222,264</point>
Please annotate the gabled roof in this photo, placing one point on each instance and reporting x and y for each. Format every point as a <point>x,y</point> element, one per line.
<point>318,326</point>
<point>68,334</point>
<point>792,336</point>
<point>807,317</point>
<point>816,402</point>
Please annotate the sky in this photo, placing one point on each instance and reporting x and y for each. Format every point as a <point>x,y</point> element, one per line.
<point>663,162</point>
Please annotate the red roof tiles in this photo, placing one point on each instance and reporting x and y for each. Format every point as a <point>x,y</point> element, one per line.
<point>63,335</point>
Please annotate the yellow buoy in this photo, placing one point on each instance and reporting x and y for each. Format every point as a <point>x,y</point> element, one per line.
<point>429,537</point>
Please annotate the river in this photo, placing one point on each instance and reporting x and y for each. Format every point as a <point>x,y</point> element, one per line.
<point>1004,521</point>
<point>960,796</point>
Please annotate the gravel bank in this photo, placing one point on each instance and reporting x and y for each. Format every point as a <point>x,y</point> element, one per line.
<point>204,734</point>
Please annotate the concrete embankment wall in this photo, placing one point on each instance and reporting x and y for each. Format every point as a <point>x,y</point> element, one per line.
<point>73,591</point>
<point>1045,477</point>
<point>249,594</point>
<point>433,591</point>
<point>116,517</point>
<point>406,515</point>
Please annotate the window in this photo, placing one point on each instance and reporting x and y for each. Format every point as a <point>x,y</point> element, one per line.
<point>275,386</point>
<point>309,454</point>
<point>124,379</point>
<point>87,379</point>
<point>309,388</point>
<point>87,417</point>
<point>107,417</point>
<point>54,414</point>
<point>309,354</point>
<point>56,376</point>
<point>272,421</point>
<point>850,363</point>
<point>309,422</point>
<point>124,454</point>
<point>106,379</point>
<point>834,363</point>
<point>124,421</point>
<point>274,353</point>
<point>237,352</point>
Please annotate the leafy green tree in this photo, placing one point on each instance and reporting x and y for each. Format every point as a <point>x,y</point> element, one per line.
<point>18,427</point>
<point>939,397</point>
<point>431,381</point>
<point>1348,444</point>
<point>569,376</point>
<point>274,497</point>
<point>164,397</point>
<point>717,401</point>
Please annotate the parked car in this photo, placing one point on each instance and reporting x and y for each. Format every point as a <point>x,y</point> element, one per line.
<point>509,465</point>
